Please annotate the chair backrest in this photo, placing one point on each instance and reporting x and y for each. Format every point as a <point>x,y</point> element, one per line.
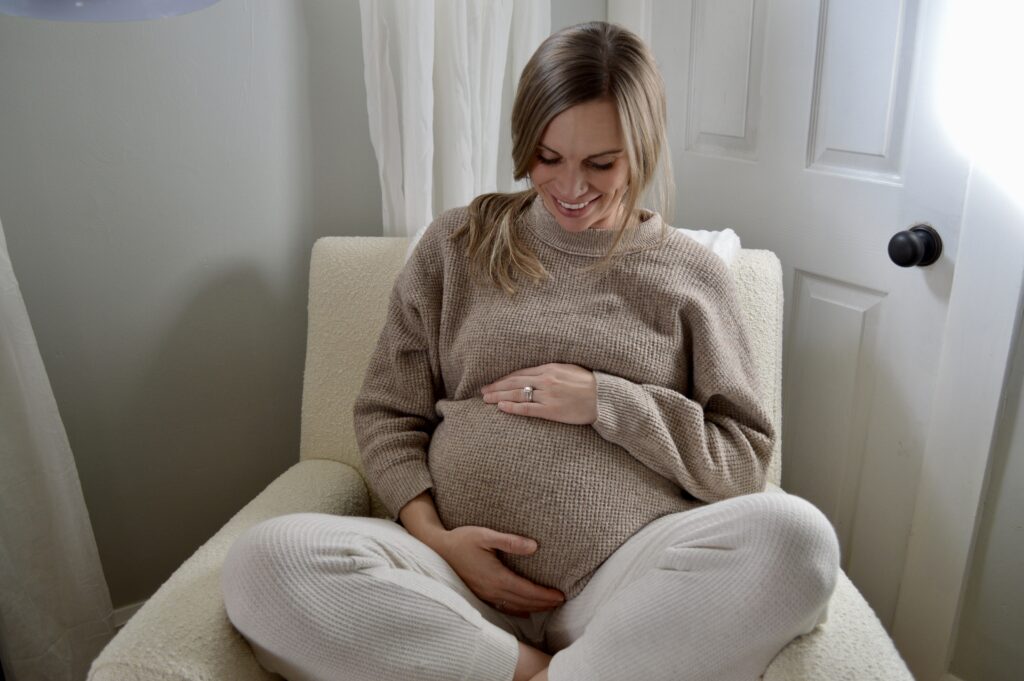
<point>350,281</point>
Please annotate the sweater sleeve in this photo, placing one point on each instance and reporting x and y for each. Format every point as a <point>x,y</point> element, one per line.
<point>394,413</point>
<point>717,441</point>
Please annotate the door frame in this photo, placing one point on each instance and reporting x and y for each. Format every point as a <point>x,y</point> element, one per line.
<point>982,327</point>
<point>981,330</point>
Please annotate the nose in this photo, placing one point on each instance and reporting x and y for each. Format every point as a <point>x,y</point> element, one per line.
<point>571,183</point>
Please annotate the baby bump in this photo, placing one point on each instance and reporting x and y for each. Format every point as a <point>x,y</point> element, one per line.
<point>563,485</point>
<point>485,460</point>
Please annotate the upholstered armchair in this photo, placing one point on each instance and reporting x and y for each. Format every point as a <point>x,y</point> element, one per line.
<point>182,633</point>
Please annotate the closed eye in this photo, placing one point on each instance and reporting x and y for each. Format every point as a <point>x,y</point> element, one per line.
<point>552,161</point>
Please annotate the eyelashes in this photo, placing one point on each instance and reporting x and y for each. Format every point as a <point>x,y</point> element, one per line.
<point>552,161</point>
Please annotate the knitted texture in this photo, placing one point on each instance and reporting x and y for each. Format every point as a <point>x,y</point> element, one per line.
<point>321,597</point>
<point>706,595</point>
<point>679,419</point>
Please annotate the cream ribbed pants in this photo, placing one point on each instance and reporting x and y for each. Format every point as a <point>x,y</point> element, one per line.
<point>711,594</point>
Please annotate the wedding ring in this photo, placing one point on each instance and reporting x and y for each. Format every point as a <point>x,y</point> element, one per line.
<point>528,392</point>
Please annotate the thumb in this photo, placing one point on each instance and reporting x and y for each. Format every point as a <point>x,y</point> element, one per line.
<point>513,543</point>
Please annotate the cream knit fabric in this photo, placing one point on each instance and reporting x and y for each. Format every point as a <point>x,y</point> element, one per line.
<point>679,422</point>
<point>707,595</point>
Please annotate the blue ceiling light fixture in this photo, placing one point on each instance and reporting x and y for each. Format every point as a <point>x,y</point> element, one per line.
<point>101,10</point>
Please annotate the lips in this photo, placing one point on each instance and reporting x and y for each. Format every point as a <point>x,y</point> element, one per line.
<point>574,206</point>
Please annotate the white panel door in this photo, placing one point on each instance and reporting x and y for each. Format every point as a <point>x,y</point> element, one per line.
<point>808,127</point>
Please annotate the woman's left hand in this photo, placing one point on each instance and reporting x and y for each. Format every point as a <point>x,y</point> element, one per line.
<point>561,392</point>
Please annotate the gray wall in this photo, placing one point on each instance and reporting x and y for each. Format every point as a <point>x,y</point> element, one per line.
<point>161,186</point>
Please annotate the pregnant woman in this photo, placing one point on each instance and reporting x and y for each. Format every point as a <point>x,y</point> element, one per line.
<point>562,418</point>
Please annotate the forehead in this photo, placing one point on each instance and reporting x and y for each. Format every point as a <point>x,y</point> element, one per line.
<point>585,129</point>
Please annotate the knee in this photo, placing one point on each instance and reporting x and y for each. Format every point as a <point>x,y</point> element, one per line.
<point>299,542</point>
<point>267,547</point>
<point>279,556</point>
<point>800,545</point>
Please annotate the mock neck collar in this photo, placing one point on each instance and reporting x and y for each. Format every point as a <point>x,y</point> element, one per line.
<point>592,242</point>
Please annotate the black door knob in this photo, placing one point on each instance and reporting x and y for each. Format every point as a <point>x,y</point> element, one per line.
<point>920,245</point>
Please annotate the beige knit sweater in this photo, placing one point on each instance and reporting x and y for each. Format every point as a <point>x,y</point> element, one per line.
<point>678,423</point>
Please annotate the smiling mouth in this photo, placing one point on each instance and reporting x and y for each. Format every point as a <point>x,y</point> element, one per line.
<point>575,206</point>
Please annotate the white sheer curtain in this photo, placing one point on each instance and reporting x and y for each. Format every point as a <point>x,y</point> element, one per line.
<point>55,610</point>
<point>436,71</point>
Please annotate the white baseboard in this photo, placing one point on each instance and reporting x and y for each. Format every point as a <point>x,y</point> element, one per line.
<point>124,613</point>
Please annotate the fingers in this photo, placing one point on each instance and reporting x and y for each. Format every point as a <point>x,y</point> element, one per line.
<point>533,409</point>
<point>533,376</point>
<point>527,372</point>
<point>516,395</point>
<point>511,393</point>
<point>519,593</point>
<point>510,543</point>
<point>526,596</point>
<point>529,593</point>
<point>511,604</point>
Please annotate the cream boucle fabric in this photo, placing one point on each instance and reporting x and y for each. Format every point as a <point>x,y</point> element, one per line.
<point>183,634</point>
<point>850,646</point>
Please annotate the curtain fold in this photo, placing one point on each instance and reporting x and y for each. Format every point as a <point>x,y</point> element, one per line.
<point>471,43</point>
<point>398,58</point>
<point>55,609</point>
<point>436,72</point>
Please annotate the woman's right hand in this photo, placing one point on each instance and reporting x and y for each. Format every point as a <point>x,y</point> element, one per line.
<point>470,550</point>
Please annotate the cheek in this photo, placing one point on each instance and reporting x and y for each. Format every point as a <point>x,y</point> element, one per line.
<point>614,182</point>
<point>539,174</point>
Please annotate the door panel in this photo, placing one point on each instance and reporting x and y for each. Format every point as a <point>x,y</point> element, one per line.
<point>803,126</point>
<point>725,83</point>
<point>861,83</point>
<point>835,335</point>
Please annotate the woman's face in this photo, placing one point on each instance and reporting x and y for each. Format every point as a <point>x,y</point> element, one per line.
<point>581,170</point>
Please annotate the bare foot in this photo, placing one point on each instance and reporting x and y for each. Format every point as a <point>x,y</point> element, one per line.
<point>532,664</point>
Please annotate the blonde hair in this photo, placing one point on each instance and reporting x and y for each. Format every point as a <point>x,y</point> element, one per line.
<point>579,64</point>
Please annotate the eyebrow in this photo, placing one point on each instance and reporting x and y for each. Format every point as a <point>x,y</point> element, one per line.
<point>603,153</point>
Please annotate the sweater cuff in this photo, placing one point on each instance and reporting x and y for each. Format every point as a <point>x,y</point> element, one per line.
<point>400,484</point>
<point>617,409</point>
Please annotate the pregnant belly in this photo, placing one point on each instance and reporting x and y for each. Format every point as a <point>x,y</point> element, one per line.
<point>484,461</point>
<point>563,485</point>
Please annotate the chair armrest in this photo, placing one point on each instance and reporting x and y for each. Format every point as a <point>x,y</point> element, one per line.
<point>182,633</point>
<point>758,276</point>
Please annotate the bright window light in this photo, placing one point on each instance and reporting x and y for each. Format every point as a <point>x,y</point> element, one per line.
<point>980,97</point>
